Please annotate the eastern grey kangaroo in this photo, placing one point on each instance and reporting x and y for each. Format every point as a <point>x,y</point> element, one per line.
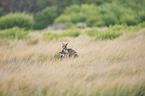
<point>69,52</point>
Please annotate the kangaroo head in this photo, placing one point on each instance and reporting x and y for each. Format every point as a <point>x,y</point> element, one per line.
<point>64,46</point>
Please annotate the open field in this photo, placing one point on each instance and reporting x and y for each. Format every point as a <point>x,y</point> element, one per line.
<point>104,67</point>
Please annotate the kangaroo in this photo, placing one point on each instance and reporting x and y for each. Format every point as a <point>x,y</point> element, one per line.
<point>69,52</point>
<point>63,54</point>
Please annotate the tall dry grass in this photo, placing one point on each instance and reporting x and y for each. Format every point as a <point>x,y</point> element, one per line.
<point>103,68</point>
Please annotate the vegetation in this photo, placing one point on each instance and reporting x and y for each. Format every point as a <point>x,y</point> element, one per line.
<point>110,32</point>
<point>114,31</point>
<point>21,20</point>
<point>104,15</point>
<point>63,19</point>
<point>14,33</point>
<point>45,17</point>
<point>69,33</point>
<point>96,13</point>
<point>106,68</point>
<point>142,16</point>
<point>111,48</point>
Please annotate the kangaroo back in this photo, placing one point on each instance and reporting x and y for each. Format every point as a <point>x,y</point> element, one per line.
<point>72,53</point>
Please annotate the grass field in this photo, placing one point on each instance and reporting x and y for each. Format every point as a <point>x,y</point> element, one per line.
<point>104,67</point>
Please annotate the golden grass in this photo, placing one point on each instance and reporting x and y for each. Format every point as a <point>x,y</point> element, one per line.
<point>103,68</point>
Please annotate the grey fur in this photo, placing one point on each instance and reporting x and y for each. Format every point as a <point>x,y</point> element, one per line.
<point>69,52</point>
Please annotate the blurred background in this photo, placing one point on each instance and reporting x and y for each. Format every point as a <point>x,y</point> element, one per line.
<point>108,35</point>
<point>39,14</point>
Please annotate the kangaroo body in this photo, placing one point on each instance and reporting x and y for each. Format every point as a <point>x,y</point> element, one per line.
<point>68,52</point>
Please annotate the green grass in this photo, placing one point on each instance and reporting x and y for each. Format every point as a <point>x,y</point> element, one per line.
<point>115,31</point>
<point>111,32</point>
<point>69,33</point>
<point>14,33</point>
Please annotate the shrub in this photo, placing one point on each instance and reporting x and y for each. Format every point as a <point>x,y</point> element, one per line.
<point>45,17</point>
<point>75,18</point>
<point>109,19</point>
<point>63,19</point>
<point>142,16</point>
<point>129,20</point>
<point>110,13</point>
<point>21,20</point>
<point>73,9</point>
<point>95,21</point>
<point>113,12</point>
<point>99,23</point>
<point>14,33</point>
<point>113,8</point>
<point>77,13</point>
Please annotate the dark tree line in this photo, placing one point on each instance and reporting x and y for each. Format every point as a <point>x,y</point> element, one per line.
<point>19,6</point>
<point>33,6</point>
<point>47,12</point>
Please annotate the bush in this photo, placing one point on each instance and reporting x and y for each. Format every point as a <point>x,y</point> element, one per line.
<point>100,23</point>
<point>73,9</point>
<point>77,13</point>
<point>104,15</point>
<point>109,19</point>
<point>63,19</point>
<point>142,16</point>
<point>14,33</point>
<point>45,17</point>
<point>95,21</point>
<point>75,18</point>
<point>129,20</point>
<point>70,33</point>
<point>21,20</point>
